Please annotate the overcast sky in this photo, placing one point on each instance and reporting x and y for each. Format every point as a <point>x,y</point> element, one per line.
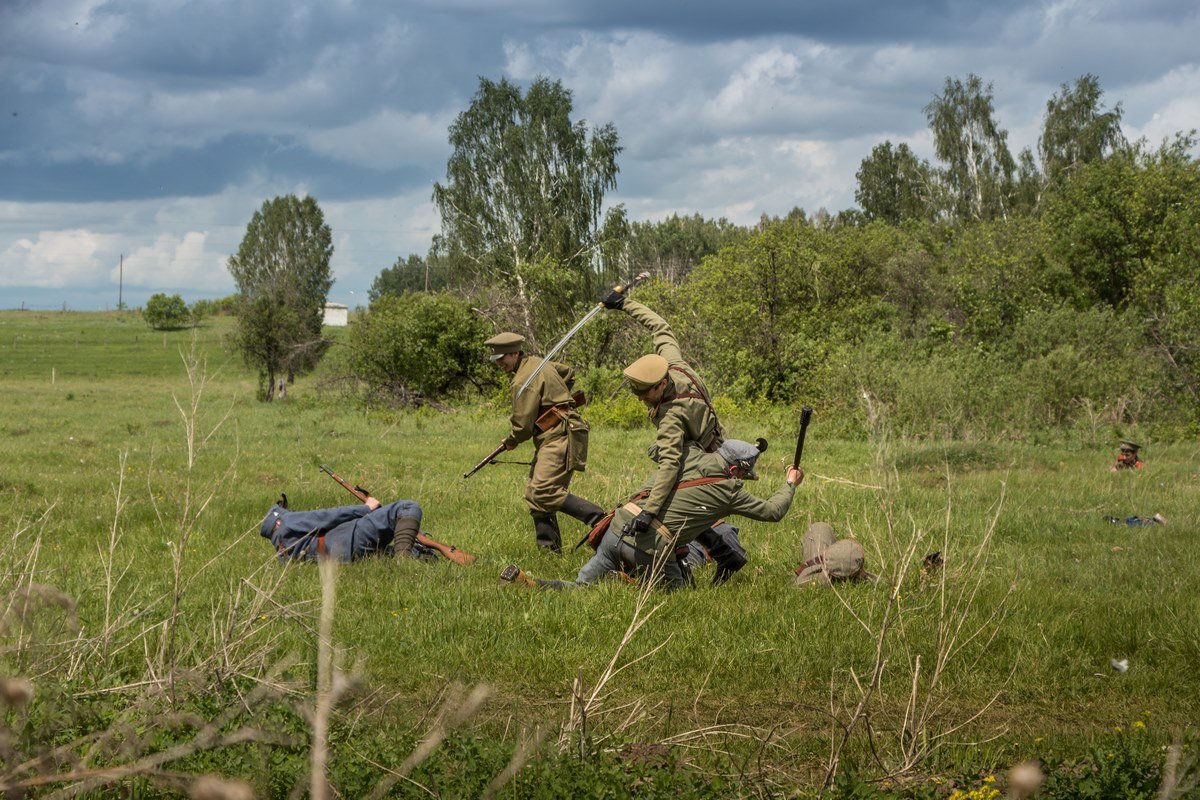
<point>153,129</point>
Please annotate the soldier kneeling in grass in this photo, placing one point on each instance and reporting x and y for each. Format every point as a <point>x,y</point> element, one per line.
<point>710,488</point>
<point>828,560</point>
<point>346,533</point>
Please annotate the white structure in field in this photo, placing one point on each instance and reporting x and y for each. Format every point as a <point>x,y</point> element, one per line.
<point>336,315</point>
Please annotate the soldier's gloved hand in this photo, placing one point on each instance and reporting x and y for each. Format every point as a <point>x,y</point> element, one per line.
<point>613,299</point>
<point>641,523</point>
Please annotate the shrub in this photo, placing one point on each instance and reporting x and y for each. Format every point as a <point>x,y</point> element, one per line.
<point>418,347</point>
<point>166,313</point>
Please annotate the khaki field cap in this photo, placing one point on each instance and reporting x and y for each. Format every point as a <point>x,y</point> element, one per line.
<point>646,372</point>
<point>1131,446</point>
<point>504,343</point>
<point>826,559</point>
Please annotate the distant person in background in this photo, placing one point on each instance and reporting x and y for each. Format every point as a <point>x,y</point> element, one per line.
<point>1127,456</point>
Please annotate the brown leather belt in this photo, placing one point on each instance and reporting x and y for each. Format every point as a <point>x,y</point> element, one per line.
<point>812,562</point>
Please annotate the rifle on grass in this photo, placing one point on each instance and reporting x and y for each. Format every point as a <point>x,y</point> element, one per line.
<point>448,550</point>
<point>549,418</point>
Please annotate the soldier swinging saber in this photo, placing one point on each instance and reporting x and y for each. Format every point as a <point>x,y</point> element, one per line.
<point>596,309</point>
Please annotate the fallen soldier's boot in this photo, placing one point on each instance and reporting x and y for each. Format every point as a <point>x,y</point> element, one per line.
<point>513,574</point>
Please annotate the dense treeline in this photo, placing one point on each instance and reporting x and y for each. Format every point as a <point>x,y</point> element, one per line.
<point>985,294</point>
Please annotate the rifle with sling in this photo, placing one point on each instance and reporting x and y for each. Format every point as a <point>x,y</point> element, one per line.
<point>548,419</point>
<point>451,552</point>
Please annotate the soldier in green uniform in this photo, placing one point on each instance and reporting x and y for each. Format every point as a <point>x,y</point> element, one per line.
<point>680,408</point>
<point>711,488</point>
<point>559,440</point>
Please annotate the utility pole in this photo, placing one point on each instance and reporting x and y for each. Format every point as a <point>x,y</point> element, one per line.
<point>121,285</point>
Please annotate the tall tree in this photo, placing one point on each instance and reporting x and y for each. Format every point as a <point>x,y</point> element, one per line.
<point>979,166</point>
<point>523,195</point>
<point>895,185</point>
<point>1077,129</point>
<point>282,274</point>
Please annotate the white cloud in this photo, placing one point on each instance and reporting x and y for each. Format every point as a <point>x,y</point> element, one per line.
<point>65,258</point>
<point>173,263</point>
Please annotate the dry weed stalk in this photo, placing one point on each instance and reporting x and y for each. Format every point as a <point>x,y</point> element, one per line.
<point>587,704</point>
<point>191,503</point>
<point>1181,771</point>
<point>898,746</point>
<point>454,712</point>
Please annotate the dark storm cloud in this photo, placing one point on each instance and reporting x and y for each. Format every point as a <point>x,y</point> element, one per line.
<point>158,126</point>
<point>203,171</point>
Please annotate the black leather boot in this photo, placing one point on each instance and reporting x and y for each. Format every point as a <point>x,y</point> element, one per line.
<point>545,528</point>
<point>586,512</point>
<point>721,542</point>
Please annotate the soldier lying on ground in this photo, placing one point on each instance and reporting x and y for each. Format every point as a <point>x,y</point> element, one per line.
<point>827,560</point>
<point>347,533</point>
<point>710,489</point>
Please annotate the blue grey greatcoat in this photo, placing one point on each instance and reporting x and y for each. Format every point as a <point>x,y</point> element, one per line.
<point>346,533</point>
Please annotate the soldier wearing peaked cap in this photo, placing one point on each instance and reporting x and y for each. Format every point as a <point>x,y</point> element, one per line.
<point>678,405</point>
<point>827,560</point>
<point>559,449</point>
<point>1127,456</point>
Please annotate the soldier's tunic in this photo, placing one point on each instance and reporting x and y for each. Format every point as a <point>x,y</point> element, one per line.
<point>688,512</point>
<point>346,533</point>
<point>683,416</point>
<point>558,451</point>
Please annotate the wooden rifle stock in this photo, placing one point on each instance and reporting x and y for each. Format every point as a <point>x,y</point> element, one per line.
<point>448,550</point>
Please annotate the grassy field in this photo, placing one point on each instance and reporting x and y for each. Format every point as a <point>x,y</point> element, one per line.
<point>977,667</point>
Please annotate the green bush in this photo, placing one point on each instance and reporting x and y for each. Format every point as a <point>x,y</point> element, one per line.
<point>166,313</point>
<point>414,348</point>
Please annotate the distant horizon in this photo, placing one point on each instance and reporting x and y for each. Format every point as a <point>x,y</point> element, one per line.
<point>24,299</point>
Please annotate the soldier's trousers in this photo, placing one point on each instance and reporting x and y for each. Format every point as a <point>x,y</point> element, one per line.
<point>618,554</point>
<point>550,473</point>
<point>368,535</point>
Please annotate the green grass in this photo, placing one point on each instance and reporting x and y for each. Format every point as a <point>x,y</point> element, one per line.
<point>80,389</point>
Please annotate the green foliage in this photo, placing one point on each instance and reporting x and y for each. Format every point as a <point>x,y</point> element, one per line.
<point>673,247</point>
<point>417,347</point>
<point>979,167</point>
<point>1076,130</point>
<point>414,274</point>
<point>282,273</point>
<point>894,185</point>
<point>521,203</point>
<point>221,307</point>
<point>165,313</point>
